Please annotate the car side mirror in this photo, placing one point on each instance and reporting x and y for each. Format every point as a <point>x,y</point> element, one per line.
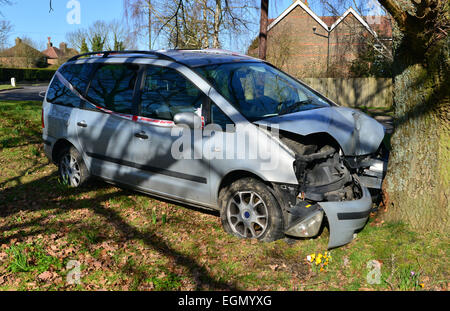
<point>192,120</point>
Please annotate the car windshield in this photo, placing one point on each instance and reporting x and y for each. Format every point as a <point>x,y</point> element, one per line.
<point>260,91</point>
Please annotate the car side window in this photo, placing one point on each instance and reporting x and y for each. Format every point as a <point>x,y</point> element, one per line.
<point>78,75</point>
<point>58,94</point>
<point>112,87</point>
<point>166,93</point>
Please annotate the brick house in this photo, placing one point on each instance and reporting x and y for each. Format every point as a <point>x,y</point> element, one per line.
<point>59,55</point>
<point>22,55</point>
<point>306,45</point>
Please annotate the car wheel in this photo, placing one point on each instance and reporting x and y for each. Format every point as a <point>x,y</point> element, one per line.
<point>71,168</point>
<point>250,211</point>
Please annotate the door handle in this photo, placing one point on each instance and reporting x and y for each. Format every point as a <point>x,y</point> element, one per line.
<point>141,135</point>
<point>82,124</point>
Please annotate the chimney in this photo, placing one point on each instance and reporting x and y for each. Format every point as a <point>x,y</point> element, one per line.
<point>49,43</point>
<point>63,47</point>
<point>18,41</point>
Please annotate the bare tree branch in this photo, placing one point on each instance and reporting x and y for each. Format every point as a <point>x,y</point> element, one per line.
<point>397,13</point>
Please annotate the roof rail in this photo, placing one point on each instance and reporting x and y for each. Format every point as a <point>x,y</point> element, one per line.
<point>108,53</point>
<point>213,51</point>
<point>210,51</point>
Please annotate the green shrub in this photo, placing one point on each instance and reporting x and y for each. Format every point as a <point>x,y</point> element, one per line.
<point>25,74</point>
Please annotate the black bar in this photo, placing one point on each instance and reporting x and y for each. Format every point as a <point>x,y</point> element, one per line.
<point>352,216</point>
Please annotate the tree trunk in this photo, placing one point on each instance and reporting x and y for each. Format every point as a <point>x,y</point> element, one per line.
<point>263,29</point>
<point>217,17</point>
<point>205,43</point>
<point>417,186</point>
<point>149,5</point>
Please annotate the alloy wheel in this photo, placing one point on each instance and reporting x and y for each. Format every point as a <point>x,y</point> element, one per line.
<point>247,214</point>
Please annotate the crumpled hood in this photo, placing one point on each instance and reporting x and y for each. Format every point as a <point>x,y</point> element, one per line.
<point>357,133</point>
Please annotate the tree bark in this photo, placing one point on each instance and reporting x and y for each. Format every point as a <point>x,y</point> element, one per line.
<point>217,17</point>
<point>149,5</point>
<point>264,23</point>
<point>416,188</point>
<point>205,43</point>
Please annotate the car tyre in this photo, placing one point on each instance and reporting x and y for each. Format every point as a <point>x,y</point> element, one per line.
<point>71,168</point>
<point>250,211</point>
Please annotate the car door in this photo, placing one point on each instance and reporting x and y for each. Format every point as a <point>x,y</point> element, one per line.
<point>164,93</point>
<point>65,103</point>
<point>106,137</point>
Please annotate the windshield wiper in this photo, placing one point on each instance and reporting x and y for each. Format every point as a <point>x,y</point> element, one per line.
<point>295,106</point>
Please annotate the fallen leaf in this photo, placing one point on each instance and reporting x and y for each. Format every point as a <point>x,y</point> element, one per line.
<point>273,267</point>
<point>45,276</point>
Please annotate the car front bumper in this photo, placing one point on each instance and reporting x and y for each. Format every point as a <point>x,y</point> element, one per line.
<point>344,218</point>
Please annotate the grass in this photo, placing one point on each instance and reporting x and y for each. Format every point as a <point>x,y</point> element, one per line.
<point>123,240</point>
<point>5,87</point>
<point>30,257</point>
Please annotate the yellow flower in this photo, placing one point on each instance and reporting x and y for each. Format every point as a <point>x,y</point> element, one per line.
<point>422,285</point>
<point>318,261</point>
<point>311,257</point>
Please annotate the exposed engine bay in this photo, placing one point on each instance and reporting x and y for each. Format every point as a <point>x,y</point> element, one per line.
<point>340,163</point>
<point>321,170</point>
<point>325,174</point>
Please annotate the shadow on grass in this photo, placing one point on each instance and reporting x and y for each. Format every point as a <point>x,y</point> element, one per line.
<point>42,195</point>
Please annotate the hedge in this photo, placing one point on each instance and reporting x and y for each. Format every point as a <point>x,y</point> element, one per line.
<point>25,74</point>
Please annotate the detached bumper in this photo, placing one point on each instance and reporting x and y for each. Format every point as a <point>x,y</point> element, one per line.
<point>344,218</point>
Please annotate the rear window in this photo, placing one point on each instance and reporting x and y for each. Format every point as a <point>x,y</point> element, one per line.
<point>112,87</point>
<point>78,76</point>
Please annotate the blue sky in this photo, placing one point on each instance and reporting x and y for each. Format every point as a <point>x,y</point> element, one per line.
<point>31,18</point>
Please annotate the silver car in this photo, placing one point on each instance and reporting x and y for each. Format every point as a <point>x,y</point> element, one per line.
<point>217,130</point>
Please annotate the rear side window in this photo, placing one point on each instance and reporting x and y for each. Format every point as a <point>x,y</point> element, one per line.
<point>112,87</point>
<point>166,92</point>
<point>78,76</point>
<point>58,94</point>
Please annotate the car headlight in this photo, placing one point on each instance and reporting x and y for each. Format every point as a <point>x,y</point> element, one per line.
<point>306,227</point>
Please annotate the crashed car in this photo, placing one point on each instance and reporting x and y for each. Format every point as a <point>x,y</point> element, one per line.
<point>188,126</point>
